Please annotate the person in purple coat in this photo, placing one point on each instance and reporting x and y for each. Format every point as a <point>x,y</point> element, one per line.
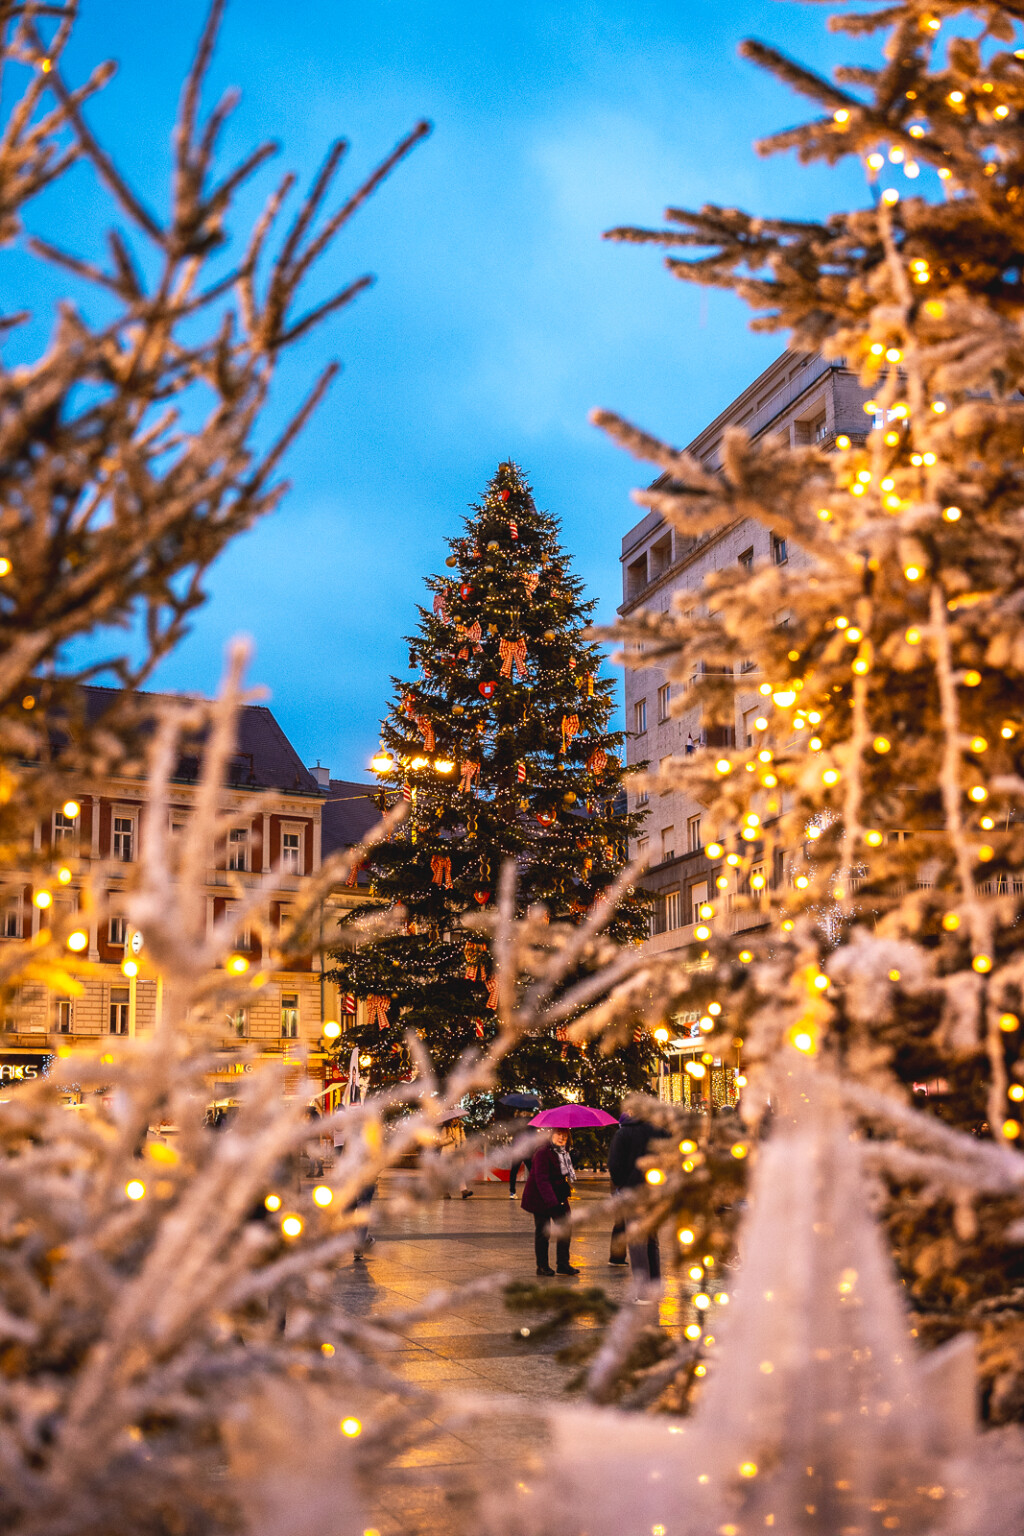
<point>546,1197</point>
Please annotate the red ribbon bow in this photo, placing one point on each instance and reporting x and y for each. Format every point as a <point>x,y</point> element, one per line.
<point>441,871</point>
<point>469,773</point>
<point>513,654</point>
<point>570,726</point>
<point>377,1010</point>
<point>426,730</point>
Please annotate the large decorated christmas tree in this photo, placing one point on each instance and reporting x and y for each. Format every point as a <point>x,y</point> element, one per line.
<point>500,744</point>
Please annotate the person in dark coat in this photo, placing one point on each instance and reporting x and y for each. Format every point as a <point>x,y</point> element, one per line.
<point>629,1144</point>
<point>546,1197</point>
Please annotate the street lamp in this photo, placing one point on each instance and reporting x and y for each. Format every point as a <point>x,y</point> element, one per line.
<point>382,761</point>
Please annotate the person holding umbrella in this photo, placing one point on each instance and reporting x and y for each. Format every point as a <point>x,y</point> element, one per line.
<point>518,1103</point>
<point>548,1189</point>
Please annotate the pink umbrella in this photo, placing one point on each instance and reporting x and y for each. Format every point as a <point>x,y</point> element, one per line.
<point>572,1117</point>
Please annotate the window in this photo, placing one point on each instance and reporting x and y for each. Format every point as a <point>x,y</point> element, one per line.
<point>65,1016</point>
<point>693,842</point>
<point>124,838</point>
<point>289,1016</point>
<point>240,1023</point>
<point>747,559</point>
<point>780,553</point>
<point>698,896</point>
<point>291,853</point>
<point>661,555</point>
<point>664,700</point>
<point>671,910</point>
<point>643,797</point>
<point>778,867</point>
<point>119,1002</point>
<point>668,843</point>
<point>636,576</point>
<point>640,716</point>
<point>117,931</point>
<point>65,830</point>
<point>11,923</point>
<point>642,847</point>
<point>750,729</point>
<point>238,848</point>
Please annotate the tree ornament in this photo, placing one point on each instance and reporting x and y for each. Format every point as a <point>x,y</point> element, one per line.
<point>452,560</point>
<point>441,871</point>
<point>426,730</point>
<point>570,727</point>
<point>465,590</point>
<point>469,773</point>
<point>513,528</point>
<point>482,897</point>
<point>531,581</point>
<point>473,635</point>
<point>521,772</point>
<point>475,955</point>
<point>597,761</point>
<point>441,605</point>
<point>513,654</point>
<point>458,709</point>
<point>546,818</point>
<point>377,1010</point>
<point>549,634</point>
<point>487,689</point>
<point>494,544</point>
<point>569,797</point>
<point>505,495</point>
<point>492,991</point>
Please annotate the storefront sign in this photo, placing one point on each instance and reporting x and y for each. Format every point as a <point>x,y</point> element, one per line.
<point>23,1068</point>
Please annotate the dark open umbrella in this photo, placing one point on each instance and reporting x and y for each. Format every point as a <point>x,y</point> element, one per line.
<point>520,1101</point>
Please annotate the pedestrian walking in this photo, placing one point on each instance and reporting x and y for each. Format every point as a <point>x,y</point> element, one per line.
<point>629,1144</point>
<point>530,1140</point>
<point>546,1197</point>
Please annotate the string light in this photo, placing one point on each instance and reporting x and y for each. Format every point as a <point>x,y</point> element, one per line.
<point>238,965</point>
<point>982,964</point>
<point>273,1202</point>
<point>714,850</point>
<point>890,197</point>
<point>1008,1023</point>
<point>876,161</point>
<point>1011,1129</point>
<point>42,900</point>
<point>64,875</point>
<point>322,1196</point>
<point>685,1236</point>
<point>78,940</point>
<point>950,921</point>
<point>873,839</point>
<point>972,679</point>
<point>5,566</point>
<point>952,514</point>
<point>291,1226</point>
<point>135,1189</point>
<point>350,1428</point>
<point>129,968</point>
<point>332,1029</point>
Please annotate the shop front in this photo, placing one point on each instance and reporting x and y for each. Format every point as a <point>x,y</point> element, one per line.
<point>692,1075</point>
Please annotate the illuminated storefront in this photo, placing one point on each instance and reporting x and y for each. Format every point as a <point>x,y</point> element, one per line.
<point>690,1074</point>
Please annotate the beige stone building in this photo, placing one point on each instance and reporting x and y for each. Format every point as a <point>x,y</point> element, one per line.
<point>302,816</point>
<point>802,399</point>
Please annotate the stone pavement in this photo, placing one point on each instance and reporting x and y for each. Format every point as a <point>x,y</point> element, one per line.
<point>475,1347</point>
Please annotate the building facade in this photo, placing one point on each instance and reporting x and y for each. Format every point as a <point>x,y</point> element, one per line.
<point>300,819</point>
<point>802,400</point>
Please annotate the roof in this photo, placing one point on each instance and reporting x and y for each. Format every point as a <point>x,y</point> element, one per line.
<point>264,757</point>
<point>349,811</point>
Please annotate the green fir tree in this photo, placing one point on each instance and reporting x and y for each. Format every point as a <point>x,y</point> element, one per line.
<point>501,745</point>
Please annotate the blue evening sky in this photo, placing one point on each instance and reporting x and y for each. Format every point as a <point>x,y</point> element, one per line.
<point>500,318</point>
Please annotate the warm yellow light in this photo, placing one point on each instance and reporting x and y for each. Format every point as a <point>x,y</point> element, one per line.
<point>876,348</point>
<point>654,1176</point>
<point>322,1196</point>
<point>273,1202</point>
<point>769,781</point>
<point>890,197</point>
<point>327,1350</point>
<point>803,1041</point>
<point>5,566</point>
<point>739,1079</point>
<point>982,964</point>
<point>64,875</point>
<point>238,965</point>
<point>820,983</point>
<point>972,679</point>
<point>1008,1022</point>
<point>912,572</point>
<point>420,762</point>
<point>952,514</point>
<point>987,823</point>
<point>702,931</point>
<point>78,940</point>
<point>43,899</point>
<point>748,1469</point>
<point>876,161</point>
<point>702,1301</point>
<point>830,776</point>
<point>685,1236</point>
<point>732,859</point>
<point>350,1428</point>
<point>860,666</point>
<point>825,515</point>
<point>723,765</point>
<point>1007,732</point>
<point>714,850</point>
<point>891,438</point>
<point>801,882</point>
<point>135,1189</point>
<point>842,441</point>
<point>842,116</point>
<point>698,1370</point>
<point>443,764</point>
<point>978,793</point>
<point>864,476</point>
<point>693,1330</point>
<point>130,968</point>
<point>815,743</point>
<point>695,1069</point>
<point>746,956</point>
<point>784,697</point>
<point>986,852</point>
<point>787,927</point>
<point>873,838</point>
<point>881,744</point>
<point>71,809</point>
<point>1015,1092</point>
<point>901,410</point>
<point>757,881</point>
<point>956,97</point>
<point>722,882</point>
<point>686,1147</point>
<point>661,1035</point>
<point>291,1226</point>
<point>739,1149</point>
<point>938,406</point>
<point>382,761</point>
<point>332,1029</point>
<point>1001,111</point>
<point>695,1272</point>
<point>1011,1129</point>
<point>722,1299</point>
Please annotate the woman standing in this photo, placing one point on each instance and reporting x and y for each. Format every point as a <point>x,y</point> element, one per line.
<point>546,1197</point>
